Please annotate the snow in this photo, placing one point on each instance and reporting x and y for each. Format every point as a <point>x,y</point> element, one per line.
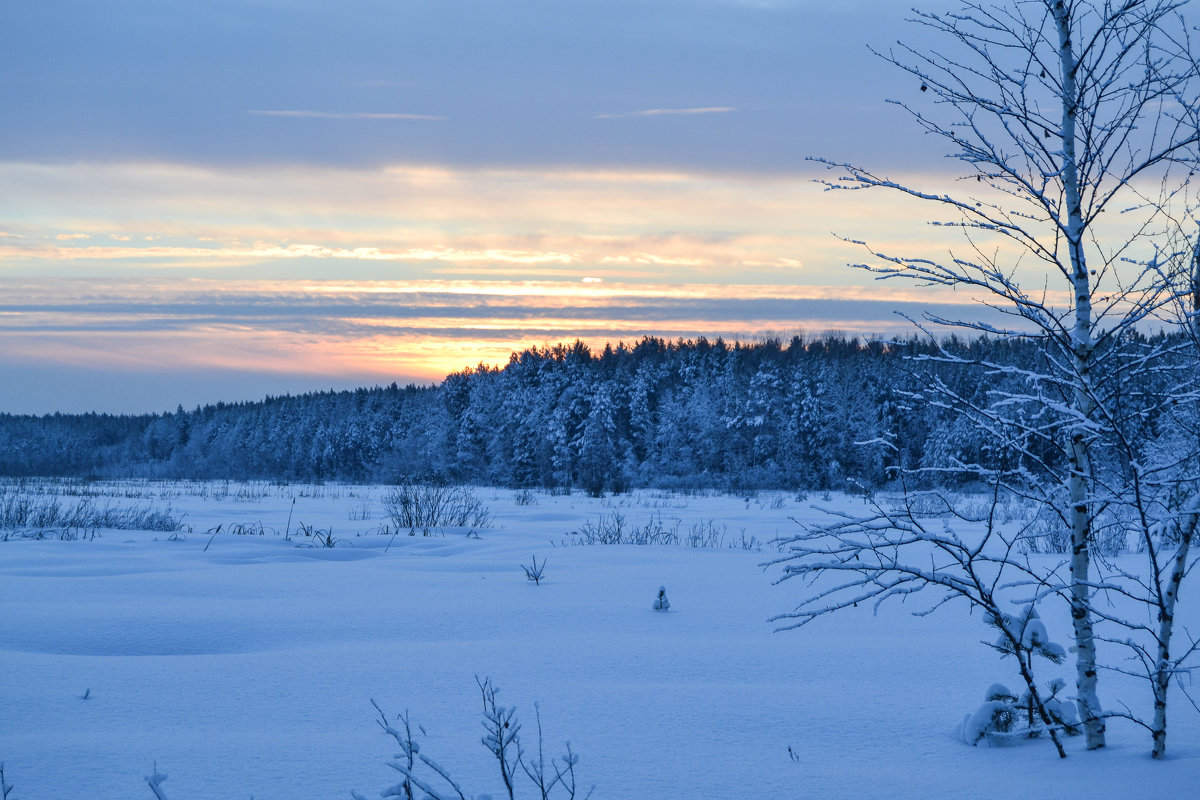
<point>998,691</point>
<point>983,721</point>
<point>249,668</point>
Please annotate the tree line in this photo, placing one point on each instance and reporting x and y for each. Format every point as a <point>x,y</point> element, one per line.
<point>827,412</point>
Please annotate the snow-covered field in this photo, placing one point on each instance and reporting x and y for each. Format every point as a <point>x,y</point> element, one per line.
<point>244,665</point>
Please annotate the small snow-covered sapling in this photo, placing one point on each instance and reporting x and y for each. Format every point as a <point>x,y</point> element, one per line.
<point>661,603</point>
<point>1023,636</point>
<point>996,716</point>
<point>1062,713</point>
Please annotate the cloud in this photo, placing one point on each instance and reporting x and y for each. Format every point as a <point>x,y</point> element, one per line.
<point>651,258</point>
<point>298,114</point>
<point>434,267</point>
<point>420,222</point>
<point>289,251</point>
<point>64,237</point>
<point>657,112</point>
<point>341,308</point>
<point>343,331</point>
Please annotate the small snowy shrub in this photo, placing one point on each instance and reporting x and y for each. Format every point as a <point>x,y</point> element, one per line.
<point>661,603</point>
<point>5,787</point>
<point>535,571</point>
<point>1047,532</point>
<point>502,738</point>
<point>923,504</point>
<point>746,542</point>
<point>425,506</point>
<point>612,529</point>
<point>706,533</point>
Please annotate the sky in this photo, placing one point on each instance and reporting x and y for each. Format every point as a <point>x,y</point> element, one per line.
<point>225,199</point>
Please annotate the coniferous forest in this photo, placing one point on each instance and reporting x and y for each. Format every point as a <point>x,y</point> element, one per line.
<point>822,413</point>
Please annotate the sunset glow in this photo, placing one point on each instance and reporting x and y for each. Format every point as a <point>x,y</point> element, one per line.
<point>367,215</point>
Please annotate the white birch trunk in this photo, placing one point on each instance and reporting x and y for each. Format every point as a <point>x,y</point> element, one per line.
<point>1166,620</point>
<point>1082,352</point>
<point>1166,614</point>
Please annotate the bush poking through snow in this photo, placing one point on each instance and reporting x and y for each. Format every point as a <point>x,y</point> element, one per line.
<point>612,529</point>
<point>707,533</point>
<point>418,505</point>
<point>5,787</point>
<point>661,603</point>
<point>534,571</point>
<point>502,738</point>
<point>502,733</point>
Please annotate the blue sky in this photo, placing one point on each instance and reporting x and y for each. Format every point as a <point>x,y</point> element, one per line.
<point>702,84</point>
<point>219,200</point>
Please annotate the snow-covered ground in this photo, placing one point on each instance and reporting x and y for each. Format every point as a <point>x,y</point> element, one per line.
<point>247,668</point>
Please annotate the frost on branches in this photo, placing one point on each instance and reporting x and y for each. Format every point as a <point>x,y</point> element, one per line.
<point>1075,126</point>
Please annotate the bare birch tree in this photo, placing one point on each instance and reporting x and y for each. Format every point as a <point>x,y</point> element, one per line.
<point>1163,501</point>
<point>1076,127</point>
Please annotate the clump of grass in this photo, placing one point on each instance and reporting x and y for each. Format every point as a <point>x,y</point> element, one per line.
<point>361,512</point>
<point>318,537</point>
<point>612,529</point>
<point>250,529</point>
<point>21,510</point>
<point>706,534</point>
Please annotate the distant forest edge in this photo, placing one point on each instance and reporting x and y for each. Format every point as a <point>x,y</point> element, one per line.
<point>822,413</point>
